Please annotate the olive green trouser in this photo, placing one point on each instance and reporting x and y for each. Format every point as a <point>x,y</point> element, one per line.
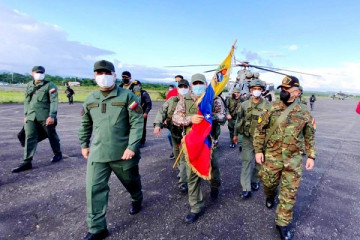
<point>182,164</point>
<point>287,171</point>
<point>97,190</point>
<point>249,168</point>
<point>31,137</point>
<point>196,199</point>
<point>231,127</point>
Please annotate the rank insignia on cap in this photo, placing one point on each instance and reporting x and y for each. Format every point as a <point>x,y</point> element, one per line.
<point>53,90</point>
<point>259,119</point>
<point>133,105</point>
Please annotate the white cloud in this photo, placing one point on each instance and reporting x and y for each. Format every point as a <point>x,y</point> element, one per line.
<point>341,78</point>
<point>292,47</point>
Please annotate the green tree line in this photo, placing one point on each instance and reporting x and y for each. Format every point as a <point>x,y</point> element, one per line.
<point>17,78</point>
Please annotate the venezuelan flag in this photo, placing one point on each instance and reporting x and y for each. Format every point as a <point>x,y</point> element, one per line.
<point>197,144</point>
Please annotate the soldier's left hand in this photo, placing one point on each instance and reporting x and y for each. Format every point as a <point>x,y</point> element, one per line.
<point>145,115</point>
<point>49,121</point>
<point>128,154</point>
<point>309,164</point>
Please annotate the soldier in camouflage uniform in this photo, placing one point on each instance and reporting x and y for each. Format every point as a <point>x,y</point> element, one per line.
<point>232,104</point>
<point>40,109</point>
<point>184,116</point>
<point>279,136</point>
<point>164,119</point>
<point>246,122</point>
<point>114,116</point>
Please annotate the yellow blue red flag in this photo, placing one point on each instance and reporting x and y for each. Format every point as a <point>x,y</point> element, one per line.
<point>197,143</point>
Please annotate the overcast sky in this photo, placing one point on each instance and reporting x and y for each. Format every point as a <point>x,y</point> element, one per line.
<point>320,37</point>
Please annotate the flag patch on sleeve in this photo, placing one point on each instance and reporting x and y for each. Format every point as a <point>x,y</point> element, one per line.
<point>133,105</point>
<point>53,90</point>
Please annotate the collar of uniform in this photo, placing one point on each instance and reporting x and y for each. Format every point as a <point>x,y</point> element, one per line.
<point>113,92</point>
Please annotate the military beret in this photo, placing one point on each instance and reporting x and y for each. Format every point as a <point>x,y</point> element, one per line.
<point>290,81</point>
<point>104,65</point>
<point>126,73</point>
<point>183,82</point>
<point>38,69</point>
<point>198,77</point>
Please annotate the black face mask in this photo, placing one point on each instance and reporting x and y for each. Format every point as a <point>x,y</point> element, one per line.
<point>126,80</point>
<point>284,96</point>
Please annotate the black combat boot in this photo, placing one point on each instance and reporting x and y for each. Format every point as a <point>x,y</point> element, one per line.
<point>183,188</point>
<point>192,217</point>
<point>57,158</point>
<point>214,193</point>
<point>22,167</point>
<point>97,236</point>
<point>270,202</point>
<point>255,186</point>
<point>135,208</point>
<point>284,232</point>
<point>245,194</point>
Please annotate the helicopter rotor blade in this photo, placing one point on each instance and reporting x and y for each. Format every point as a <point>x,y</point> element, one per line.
<point>195,65</point>
<point>280,69</point>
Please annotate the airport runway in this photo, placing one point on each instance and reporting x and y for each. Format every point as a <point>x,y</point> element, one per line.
<point>48,202</point>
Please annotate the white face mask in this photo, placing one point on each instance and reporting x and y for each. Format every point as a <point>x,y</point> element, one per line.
<point>183,91</point>
<point>256,93</point>
<point>105,81</point>
<point>39,76</point>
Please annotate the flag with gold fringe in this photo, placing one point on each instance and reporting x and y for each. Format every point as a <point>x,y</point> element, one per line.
<point>197,143</point>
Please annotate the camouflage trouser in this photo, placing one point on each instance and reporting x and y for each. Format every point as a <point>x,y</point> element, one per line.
<point>196,199</point>
<point>249,168</point>
<point>287,171</point>
<point>182,164</point>
<point>231,127</point>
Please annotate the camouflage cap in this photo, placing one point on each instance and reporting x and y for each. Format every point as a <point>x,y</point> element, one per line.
<point>198,77</point>
<point>104,65</point>
<point>289,81</point>
<point>236,89</point>
<point>183,82</point>
<point>257,82</point>
<point>38,69</point>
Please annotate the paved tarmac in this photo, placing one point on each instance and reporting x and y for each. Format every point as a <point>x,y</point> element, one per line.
<point>48,202</point>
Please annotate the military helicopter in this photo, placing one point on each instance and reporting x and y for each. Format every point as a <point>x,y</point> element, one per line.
<point>245,76</point>
<point>340,95</point>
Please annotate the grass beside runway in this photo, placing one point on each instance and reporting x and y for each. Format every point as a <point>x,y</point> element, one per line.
<point>16,94</point>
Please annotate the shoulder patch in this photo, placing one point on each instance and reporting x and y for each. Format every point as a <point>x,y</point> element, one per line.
<point>138,109</point>
<point>133,105</point>
<point>53,90</point>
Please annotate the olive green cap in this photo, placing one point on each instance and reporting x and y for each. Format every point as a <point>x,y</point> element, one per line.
<point>301,88</point>
<point>38,69</point>
<point>104,65</point>
<point>236,89</point>
<point>198,77</point>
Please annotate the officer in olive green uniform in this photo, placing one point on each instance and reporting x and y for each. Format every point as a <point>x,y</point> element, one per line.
<point>232,105</point>
<point>40,109</point>
<point>246,122</point>
<point>280,134</point>
<point>114,115</point>
<point>164,119</point>
<point>184,116</point>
